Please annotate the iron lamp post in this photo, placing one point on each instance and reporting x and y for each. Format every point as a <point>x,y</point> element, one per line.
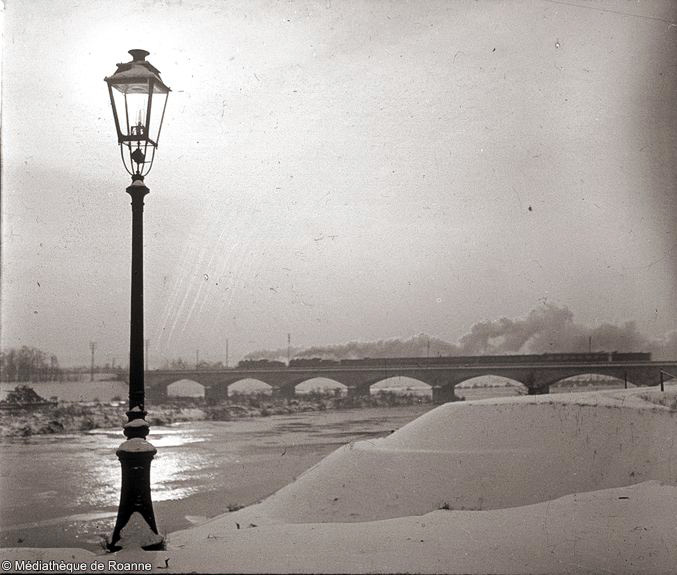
<point>138,97</point>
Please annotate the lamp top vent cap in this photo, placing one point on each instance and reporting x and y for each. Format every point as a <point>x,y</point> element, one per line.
<point>138,55</point>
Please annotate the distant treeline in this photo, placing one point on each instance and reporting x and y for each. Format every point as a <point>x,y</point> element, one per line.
<point>29,364</point>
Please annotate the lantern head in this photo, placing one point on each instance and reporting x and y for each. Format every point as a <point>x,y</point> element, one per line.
<point>139,98</point>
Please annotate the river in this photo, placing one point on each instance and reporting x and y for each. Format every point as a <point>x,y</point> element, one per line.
<point>63,490</point>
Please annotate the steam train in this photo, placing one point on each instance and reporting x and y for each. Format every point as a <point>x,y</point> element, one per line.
<point>596,357</point>
<point>460,360</point>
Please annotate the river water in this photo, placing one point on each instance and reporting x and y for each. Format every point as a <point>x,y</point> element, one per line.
<point>63,490</point>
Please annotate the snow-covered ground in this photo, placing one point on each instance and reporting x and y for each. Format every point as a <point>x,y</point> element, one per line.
<point>566,483</point>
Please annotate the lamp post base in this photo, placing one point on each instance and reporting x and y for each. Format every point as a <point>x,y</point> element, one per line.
<point>135,525</point>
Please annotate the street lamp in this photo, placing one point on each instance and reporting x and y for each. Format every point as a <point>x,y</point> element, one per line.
<point>139,98</point>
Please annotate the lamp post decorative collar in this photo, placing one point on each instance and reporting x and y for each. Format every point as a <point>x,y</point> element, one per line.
<point>136,93</point>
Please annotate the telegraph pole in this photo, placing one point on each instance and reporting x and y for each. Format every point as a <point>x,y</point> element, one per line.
<point>92,347</point>
<point>226,352</point>
<point>288,348</point>
<point>197,359</point>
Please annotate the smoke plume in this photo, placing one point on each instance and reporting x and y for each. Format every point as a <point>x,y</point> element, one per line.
<point>548,329</point>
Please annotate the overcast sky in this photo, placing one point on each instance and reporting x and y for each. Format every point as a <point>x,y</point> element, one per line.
<point>339,170</point>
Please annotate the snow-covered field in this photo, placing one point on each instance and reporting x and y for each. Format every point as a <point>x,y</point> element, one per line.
<point>565,483</point>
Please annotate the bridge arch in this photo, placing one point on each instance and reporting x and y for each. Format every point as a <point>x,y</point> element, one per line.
<point>469,380</point>
<point>249,386</point>
<point>321,385</point>
<point>401,385</point>
<point>185,389</point>
<point>489,385</point>
<point>590,379</point>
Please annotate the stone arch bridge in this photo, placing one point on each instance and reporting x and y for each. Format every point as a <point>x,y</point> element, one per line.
<point>536,377</point>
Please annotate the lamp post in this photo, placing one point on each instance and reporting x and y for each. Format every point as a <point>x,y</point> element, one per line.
<point>138,98</point>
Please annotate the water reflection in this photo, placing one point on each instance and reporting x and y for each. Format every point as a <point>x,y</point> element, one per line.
<point>176,471</point>
<point>103,486</point>
<point>73,481</point>
<point>176,437</point>
<point>178,474</point>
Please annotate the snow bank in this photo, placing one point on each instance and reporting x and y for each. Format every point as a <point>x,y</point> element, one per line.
<point>628,530</point>
<point>489,454</point>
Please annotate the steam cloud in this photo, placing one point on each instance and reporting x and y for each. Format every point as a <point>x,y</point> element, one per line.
<point>549,329</point>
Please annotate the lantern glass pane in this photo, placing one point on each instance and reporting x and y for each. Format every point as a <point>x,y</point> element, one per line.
<point>131,110</point>
<point>119,110</point>
<point>137,105</point>
<point>154,126</point>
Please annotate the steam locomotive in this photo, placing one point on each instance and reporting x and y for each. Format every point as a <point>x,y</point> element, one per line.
<point>260,364</point>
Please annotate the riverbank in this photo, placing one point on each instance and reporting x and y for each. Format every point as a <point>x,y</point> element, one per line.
<point>86,416</point>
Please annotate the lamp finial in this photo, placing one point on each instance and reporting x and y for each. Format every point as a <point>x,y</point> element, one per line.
<point>139,55</point>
